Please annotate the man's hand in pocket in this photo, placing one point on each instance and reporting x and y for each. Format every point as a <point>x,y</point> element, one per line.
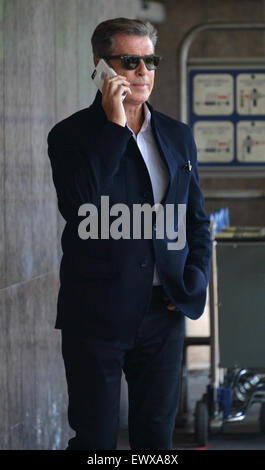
<point>169,305</point>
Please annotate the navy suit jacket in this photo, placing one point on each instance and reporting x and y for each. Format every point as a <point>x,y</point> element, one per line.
<point>106,284</point>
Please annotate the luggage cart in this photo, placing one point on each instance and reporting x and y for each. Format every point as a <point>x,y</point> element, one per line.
<point>237,320</point>
<point>235,382</point>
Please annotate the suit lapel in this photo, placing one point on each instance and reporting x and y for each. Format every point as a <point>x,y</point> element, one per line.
<point>165,151</point>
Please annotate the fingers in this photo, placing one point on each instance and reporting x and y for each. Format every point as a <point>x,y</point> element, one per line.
<point>116,85</point>
<point>170,306</point>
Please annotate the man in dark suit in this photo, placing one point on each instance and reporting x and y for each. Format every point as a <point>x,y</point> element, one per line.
<point>123,299</point>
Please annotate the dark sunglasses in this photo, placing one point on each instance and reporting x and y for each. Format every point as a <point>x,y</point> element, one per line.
<point>131,62</point>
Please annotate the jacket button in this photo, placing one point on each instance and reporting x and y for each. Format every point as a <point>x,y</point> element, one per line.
<point>144,263</point>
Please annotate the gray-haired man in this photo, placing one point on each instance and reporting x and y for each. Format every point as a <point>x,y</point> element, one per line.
<point>122,302</point>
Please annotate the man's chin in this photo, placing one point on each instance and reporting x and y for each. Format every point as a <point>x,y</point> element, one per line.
<point>137,98</point>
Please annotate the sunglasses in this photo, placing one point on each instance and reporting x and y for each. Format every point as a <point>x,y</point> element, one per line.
<point>131,62</point>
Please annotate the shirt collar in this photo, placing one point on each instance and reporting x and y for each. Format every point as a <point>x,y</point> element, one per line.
<point>147,117</point>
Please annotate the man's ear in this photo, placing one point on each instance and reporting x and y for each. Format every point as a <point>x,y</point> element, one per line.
<point>96,60</point>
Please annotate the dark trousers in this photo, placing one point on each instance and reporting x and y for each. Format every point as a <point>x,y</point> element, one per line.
<point>151,363</point>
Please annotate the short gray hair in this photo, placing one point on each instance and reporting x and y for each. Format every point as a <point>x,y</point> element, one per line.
<point>103,37</point>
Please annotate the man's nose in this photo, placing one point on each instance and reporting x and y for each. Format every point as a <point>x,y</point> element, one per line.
<point>142,69</point>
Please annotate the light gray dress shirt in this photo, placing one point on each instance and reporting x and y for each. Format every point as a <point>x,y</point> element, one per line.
<point>158,171</point>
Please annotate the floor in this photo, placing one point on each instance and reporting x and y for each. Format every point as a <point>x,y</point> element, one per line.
<point>244,435</point>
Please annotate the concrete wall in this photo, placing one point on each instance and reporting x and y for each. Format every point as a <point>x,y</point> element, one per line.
<point>45,67</point>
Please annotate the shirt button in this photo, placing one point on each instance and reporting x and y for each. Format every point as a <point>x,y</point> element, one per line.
<point>144,263</point>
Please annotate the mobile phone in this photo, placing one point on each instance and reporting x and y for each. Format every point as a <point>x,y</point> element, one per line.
<point>100,73</point>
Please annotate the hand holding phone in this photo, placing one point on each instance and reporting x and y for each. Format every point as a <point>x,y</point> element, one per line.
<point>100,72</point>
<point>114,89</point>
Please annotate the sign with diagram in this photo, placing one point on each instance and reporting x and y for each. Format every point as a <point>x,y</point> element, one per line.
<point>214,140</point>
<point>213,94</point>
<point>251,141</point>
<point>250,93</point>
<point>227,114</point>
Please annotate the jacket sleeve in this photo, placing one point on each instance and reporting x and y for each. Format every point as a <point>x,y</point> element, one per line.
<point>82,176</point>
<point>197,221</point>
